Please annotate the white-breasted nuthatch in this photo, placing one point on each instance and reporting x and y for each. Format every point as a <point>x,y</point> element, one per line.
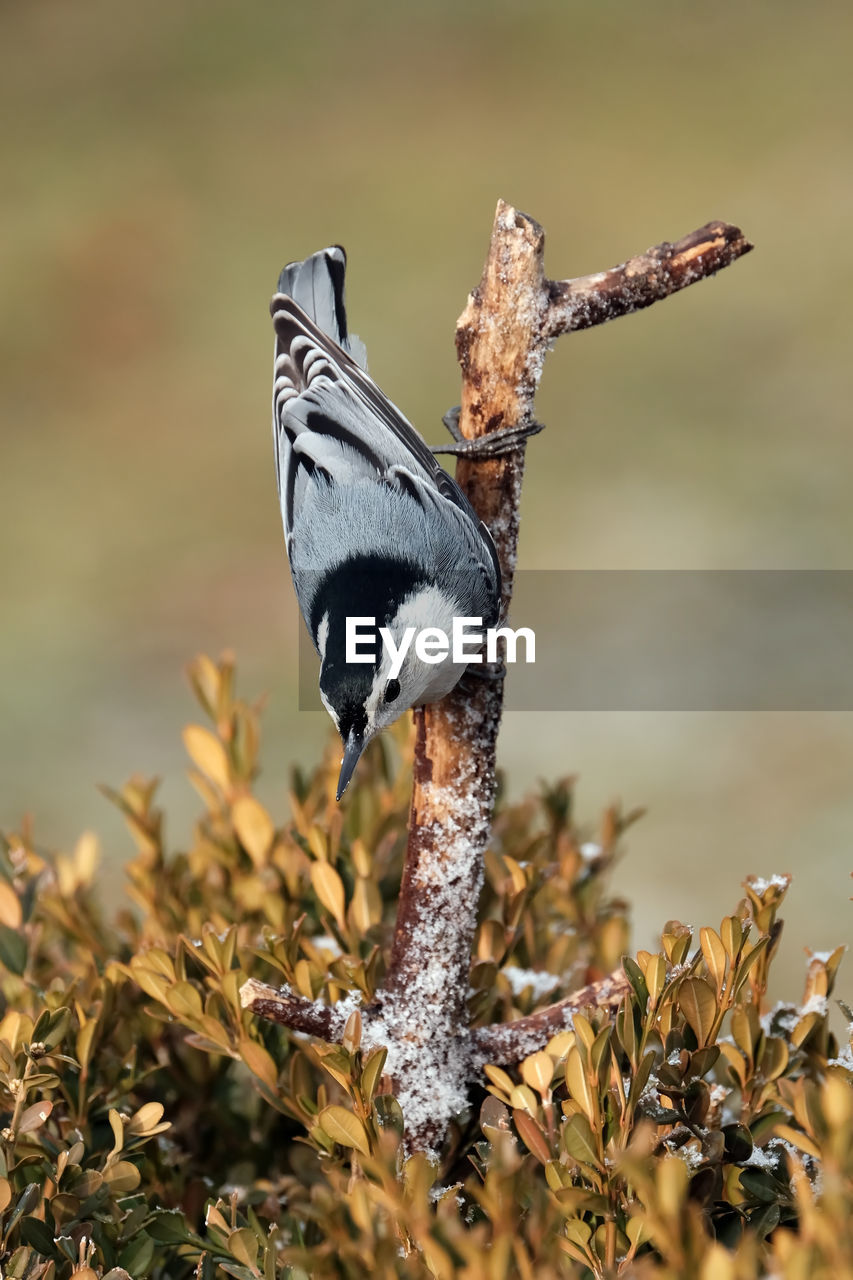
<point>374,527</point>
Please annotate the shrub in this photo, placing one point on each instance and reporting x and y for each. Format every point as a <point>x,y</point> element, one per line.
<point>152,1127</point>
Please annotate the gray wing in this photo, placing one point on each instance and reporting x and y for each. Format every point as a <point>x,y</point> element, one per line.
<point>328,414</point>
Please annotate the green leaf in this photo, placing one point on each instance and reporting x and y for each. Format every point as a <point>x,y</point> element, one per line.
<point>764,1220</point>
<point>739,1143</point>
<point>13,950</point>
<point>579,1142</point>
<point>137,1256</point>
<point>371,1071</point>
<point>758,1184</point>
<point>27,1200</point>
<point>389,1113</point>
<point>634,974</point>
<point>169,1226</point>
<point>641,1075</point>
<point>39,1236</point>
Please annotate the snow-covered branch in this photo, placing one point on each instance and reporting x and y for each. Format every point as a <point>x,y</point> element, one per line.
<point>507,1043</point>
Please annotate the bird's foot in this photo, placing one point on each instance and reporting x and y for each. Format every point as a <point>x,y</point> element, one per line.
<point>493,445</point>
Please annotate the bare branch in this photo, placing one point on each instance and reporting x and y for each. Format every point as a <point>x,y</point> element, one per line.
<point>647,278</point>
<point>509,1042</point>
<point>280,1004</point>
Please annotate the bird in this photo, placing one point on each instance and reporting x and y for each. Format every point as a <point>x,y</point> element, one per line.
<point>374,527</point>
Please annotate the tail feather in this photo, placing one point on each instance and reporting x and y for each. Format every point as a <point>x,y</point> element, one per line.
<point>317,286</point>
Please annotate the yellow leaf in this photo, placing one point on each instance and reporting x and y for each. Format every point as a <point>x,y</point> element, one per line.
<point>5,1195</point>
<point>254,827</point>
<point>157,959</point>
<point>319,844</point>
<point>213,1218</point>
<point>243,1245</point>
<point>259,1062</point>
<point>122,1177</point>
<point>207,752</point>
<point>146,1118</point>
<point>10,906</point>
<point>523,1098</point>
<point>499,1077</point>
<point>714,955</point>
<point>344,1128</point>
<point>698,1003</point>
<point>560,1044</point>
<point>329,888</point>
<point>655,975</point>
<point>184,1001</point>
<point>577,1083</point>
<point>205,678</point>
<point>798,1139</point>
<point>351,1039</point>
<point>537,1071</point>
<point>583,1030</point>
<point>672,1179</point>
<point>16,1028</point>
<point>361,858</point>
<point>85,1039</point>
<point>117,1127</point>
<point>837,1103</point>
<point>365,909</point>
<point>717,1264</point>
<point>87,855</point>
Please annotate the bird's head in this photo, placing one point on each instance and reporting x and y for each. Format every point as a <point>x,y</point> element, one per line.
<point>363,698</point>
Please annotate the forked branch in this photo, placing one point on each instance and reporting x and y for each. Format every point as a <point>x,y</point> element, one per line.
<point>511,320</point>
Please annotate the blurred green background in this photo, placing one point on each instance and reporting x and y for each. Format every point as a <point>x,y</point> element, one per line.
<point>160,162</point>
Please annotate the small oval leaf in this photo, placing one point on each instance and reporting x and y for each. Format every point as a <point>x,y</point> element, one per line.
<point>345,1128</point>
<point>329,888</point>
<point>208,753</point>
<point>698,1003</point>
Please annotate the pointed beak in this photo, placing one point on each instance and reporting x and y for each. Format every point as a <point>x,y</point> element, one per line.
<point>353,748</point>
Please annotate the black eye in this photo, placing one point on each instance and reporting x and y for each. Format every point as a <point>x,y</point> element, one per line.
<point>392,690</point>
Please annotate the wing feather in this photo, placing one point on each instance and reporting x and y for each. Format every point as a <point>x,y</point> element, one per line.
<point>319,389</point>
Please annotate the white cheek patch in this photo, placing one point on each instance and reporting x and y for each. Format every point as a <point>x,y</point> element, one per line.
<point>420,681</point>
